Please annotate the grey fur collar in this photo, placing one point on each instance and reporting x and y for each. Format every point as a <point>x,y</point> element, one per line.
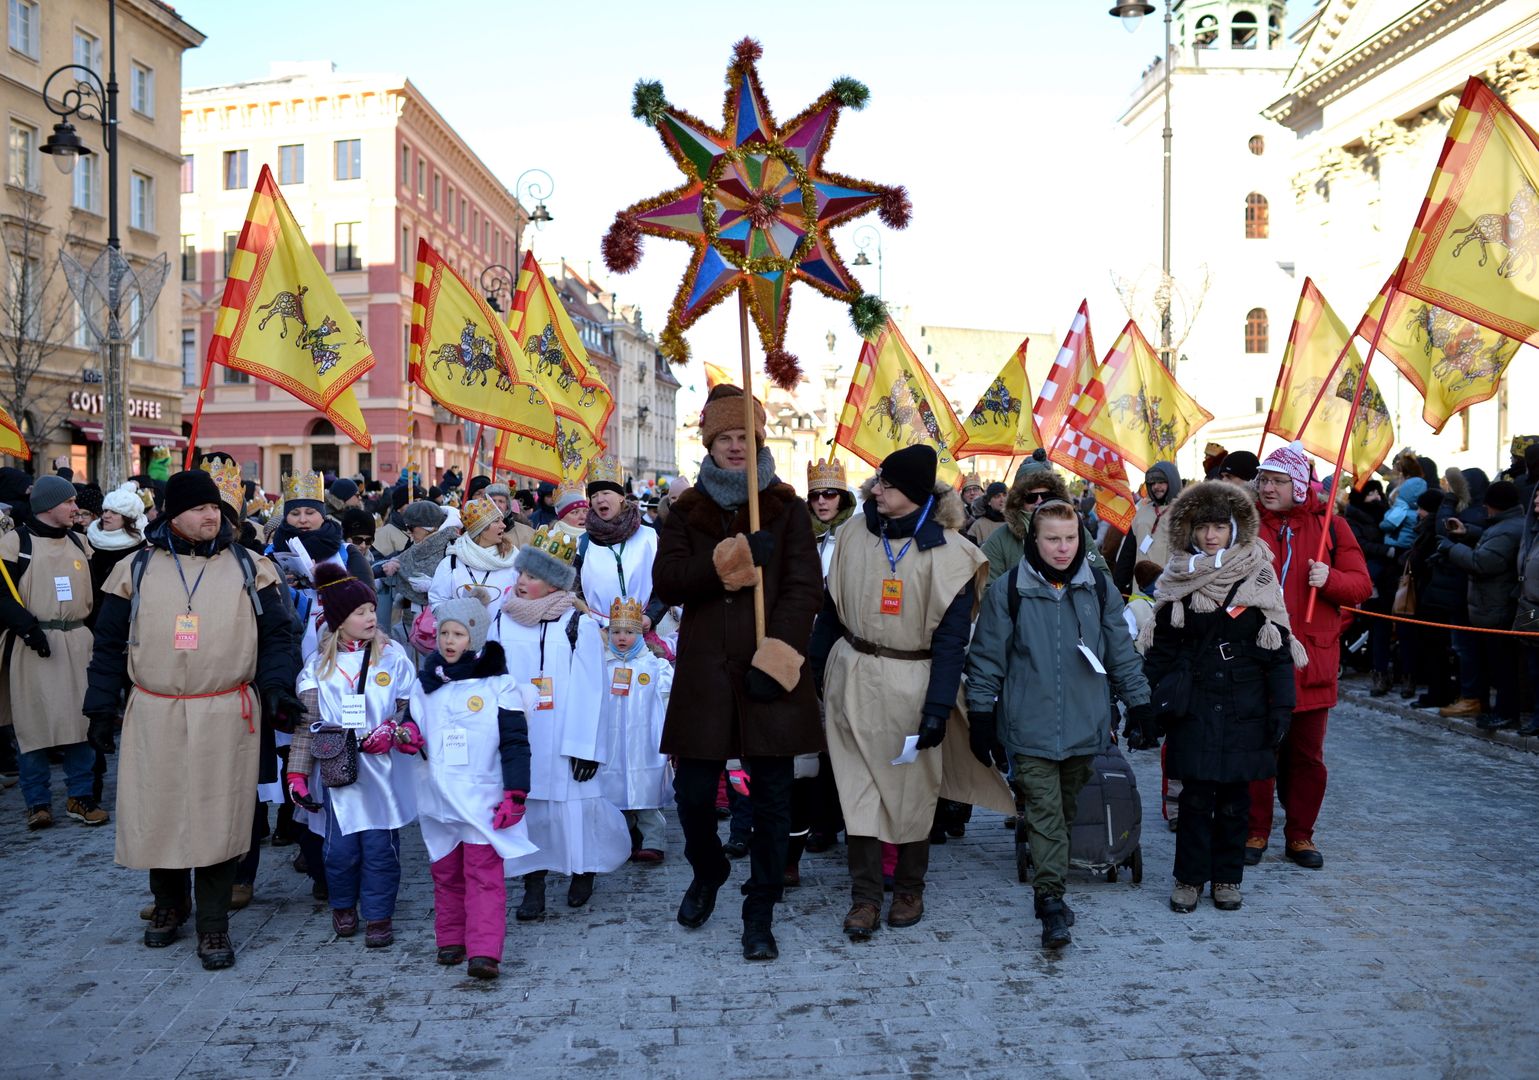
<point>727,488</point>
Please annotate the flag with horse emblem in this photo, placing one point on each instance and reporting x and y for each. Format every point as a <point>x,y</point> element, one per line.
<point>465,359</point>
<point>1315,387</point>
<point>282,321</point>
<point>1453,361</point>
<point>11,440</point>
<point>558,363</point>
<point>893,403</point>
<point>1475,249</point>
<point>1134,406</point>
<point>1001,423</point>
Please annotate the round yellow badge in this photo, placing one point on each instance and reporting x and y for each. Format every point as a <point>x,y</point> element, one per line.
<point>77,564</point>
<point>643,678</point>
<point>382,679</point>
<point>474,704</point>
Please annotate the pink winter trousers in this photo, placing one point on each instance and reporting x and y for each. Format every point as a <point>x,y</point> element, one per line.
<point>470,900</point>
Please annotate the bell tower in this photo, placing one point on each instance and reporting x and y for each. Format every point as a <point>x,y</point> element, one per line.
<point>1239,26</point>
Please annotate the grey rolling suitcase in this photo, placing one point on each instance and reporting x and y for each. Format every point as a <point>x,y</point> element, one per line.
<point>1108,824</point>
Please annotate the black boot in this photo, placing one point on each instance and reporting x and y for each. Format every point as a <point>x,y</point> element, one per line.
<point>580,891</point>
<point>533,904</point>
<point>758,940</point>
<point>793,874</point>
<point>1055,922</point>
<point>1380,684</point>
<point>698,903</point>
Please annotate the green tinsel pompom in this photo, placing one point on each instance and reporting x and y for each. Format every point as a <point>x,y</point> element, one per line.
<point>869,314</point>
<point>648,102</point>
<point>852,93</point>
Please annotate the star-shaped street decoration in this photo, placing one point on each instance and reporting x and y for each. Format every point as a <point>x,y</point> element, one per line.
<point>756,205</point>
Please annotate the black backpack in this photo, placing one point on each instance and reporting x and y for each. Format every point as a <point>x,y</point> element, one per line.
<point>142,560</point>
<point>1013,592</point>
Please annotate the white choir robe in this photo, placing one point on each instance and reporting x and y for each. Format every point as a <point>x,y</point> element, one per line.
<point>635,776</point>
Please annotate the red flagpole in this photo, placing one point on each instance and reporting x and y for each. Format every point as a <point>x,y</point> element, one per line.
<point>197,412</point>
<point>1346,437</point>
<point>475,454</point>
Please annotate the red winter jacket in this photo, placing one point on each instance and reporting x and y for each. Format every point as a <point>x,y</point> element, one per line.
<point>1294,536</point>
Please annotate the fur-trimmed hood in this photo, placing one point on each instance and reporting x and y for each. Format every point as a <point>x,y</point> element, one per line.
<point>949,511</point>
<point>705,515</point>
<point>1213,500</point>
<point>1028,480</point>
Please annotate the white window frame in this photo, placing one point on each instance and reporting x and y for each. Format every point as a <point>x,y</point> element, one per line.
<point>28,178</point>
<point>141,88</point>
<point>86,184</point>
<point>242,157</point>
<point>91,56</point>
<point>141,201</point>
<point>355,159</point>
<point>192,374</point>
<point>283,178</point>
<point>22,29</point>
<point>187,175</point>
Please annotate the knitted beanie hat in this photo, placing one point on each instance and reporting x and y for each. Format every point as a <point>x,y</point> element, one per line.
<point>1292,462</point>
<point>912,471</point>
<point>469,613</point>
<point>50,491</point>
<point>340,593</point>
<point>724,412</point>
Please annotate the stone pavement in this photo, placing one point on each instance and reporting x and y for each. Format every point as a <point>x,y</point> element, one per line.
<point>1413,954</point>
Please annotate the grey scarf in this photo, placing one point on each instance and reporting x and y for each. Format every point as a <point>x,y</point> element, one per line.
<point>728,489</point>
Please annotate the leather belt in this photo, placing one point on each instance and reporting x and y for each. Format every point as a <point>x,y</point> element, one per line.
<point>60,624</point>
<point>873,649</point>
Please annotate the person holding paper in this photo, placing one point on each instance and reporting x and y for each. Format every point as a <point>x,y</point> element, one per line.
<point>890,643</point>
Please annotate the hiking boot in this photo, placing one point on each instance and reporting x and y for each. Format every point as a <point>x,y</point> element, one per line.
<point>905,910</point>
<point>344,921</point>
<point>482,967</point>
<point>240,895</point>
<point>378,934</point>
<point>39,817</point>
<point>216,950</point>
<point>1464,709</point>
<point>1183,897</point>
<point>164,923</point>
<point>1304,853</point>
<point>1255,847</point>
<point>532,906</point>
<point>451,955</point>
<point>1055,922</point>
<point>1379,685</point>
<point>759,942</point>
<point>698,903</point>
<point>862,920</point>
<point>147,912</point>
<point>1226,897</point>
<point>86,811</point>
<point>580,891</point>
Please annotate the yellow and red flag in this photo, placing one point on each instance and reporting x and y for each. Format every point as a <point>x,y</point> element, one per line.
<point>893,403</point>
<point>465,359</point>
<point>1453,361</point>
<point>282,321</point>
<point>1072,369</point>
<point>11,440</point>
<point>1134,406</point>
<point>553,353</point>
<point>1001,423</point>
<point>1475,248</point>
<point>1315,387</point>
<point>716,375</point>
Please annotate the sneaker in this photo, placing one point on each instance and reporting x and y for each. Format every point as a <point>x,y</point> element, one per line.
<point>240,895</point>
<point>216,950</point>
<point>378,933</point>
<point>1255,847</point>
<point>1055,921</point>
<point>85,811</point>
<point>344,921</point>
<point>862,920</point>
<point>1225,897</point>
<point>1183,898</point>
<point>39,817</point>
<point>1304,853</point>
<point>1463,709</point>
<point>164,923</point>
<point>482,967</point>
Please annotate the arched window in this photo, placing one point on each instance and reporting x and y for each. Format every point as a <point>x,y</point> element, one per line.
<point>1273,31</point>
<point>1256,225</point>
<point>1206,35</point>
<point>1256,330</point>
<point>1242,30</point>
<point>1257,145</point>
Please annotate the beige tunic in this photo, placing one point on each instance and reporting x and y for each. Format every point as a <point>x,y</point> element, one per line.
<point>187,766</point>
<point>874,702</point>
<point>45,695</point>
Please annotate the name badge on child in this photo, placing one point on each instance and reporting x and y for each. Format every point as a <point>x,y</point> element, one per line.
<point>545,693</point>
<point>1235,610</point>
<point>1146,544</point>
<point>355,713</point>
<point>63,590</point>
<point>1095,661</point>
<point>620,685</point>
<point>892,596</point>
<point>456,747</point>
<point>186,632</point>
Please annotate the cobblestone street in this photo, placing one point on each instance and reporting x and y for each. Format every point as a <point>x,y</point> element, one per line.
<point>1413,954</point>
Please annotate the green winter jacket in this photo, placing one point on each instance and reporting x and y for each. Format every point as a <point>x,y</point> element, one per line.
<point>1048,699</point>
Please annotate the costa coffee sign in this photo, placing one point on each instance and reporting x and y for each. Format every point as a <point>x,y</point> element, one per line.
<point>91,405</point>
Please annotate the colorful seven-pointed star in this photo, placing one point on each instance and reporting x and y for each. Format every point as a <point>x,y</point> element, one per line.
<point>756,206</point>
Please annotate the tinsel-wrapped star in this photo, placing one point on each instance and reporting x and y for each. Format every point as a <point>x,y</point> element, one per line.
<point>757,205</point>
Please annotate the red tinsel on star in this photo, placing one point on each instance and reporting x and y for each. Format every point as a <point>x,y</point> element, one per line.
<point>747,51</point>
<point>622,244</point>
<point>895,208</point>
<point>783,367</point>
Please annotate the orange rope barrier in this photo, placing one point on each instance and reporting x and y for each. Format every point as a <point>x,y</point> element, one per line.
<point>1443,625</point>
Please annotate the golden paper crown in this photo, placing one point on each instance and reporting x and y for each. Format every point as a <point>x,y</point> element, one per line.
<point>972,479</point>
<point>826,475</point>
<point>555,544</point>
<point>478,512</point>
<point>605,470</point>
<point>570,486</point>
<point>311,485</point>
<point>227,479</point>
<point>626,615</point>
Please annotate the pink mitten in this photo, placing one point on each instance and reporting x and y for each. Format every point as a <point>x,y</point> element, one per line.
<point>380,740</point>
<point>408,738</point>
<point>299,791</point>
<point>510,811</point>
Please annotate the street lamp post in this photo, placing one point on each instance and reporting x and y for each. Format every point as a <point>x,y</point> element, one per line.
<point>865,236</point>
<point>1131,15</point>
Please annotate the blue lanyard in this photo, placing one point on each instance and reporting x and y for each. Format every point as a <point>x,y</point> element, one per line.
<point>183,576</point>
<point>923,514</point>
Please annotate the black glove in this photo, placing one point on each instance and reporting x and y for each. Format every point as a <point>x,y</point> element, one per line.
<point>761,545</point>
<point>37,641</point>
<point>932,729</point>
<point>100,731</point>
<point>583,770</point>
<point>762,688</point>
<point>1280,730</point>
<point>983,735</point>
<point>283,710</point>
<point>1143,731</point>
